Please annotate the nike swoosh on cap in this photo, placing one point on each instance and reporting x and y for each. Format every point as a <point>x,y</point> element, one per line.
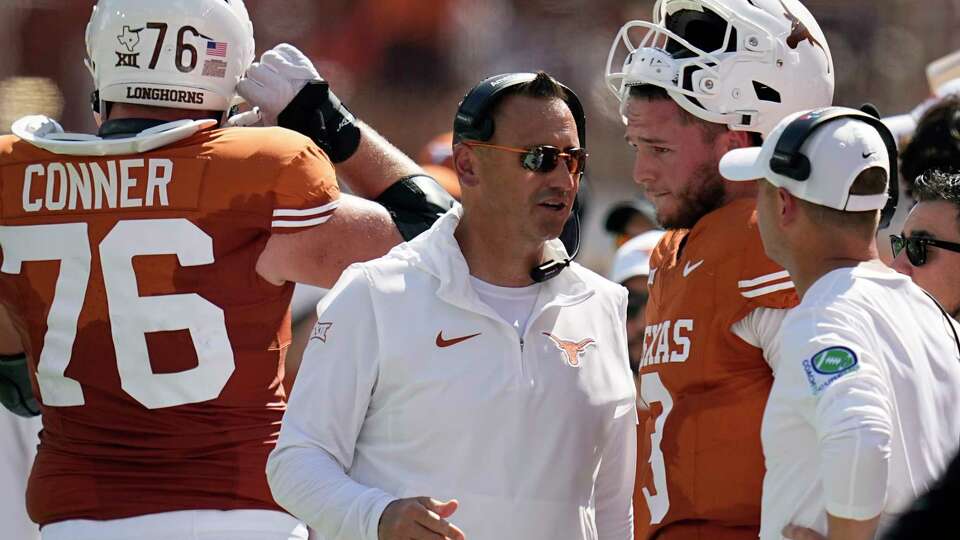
<point>442,343</point>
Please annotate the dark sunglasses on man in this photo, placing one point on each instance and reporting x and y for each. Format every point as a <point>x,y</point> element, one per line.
<point>916,247</point>
<point>543,158</point>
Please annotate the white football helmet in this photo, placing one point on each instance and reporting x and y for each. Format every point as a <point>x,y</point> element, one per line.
<point>184,54</point>
<point>743,63</point>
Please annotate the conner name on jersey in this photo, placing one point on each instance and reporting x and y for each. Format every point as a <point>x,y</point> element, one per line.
<point>666,342</point>
<point>124,183</point>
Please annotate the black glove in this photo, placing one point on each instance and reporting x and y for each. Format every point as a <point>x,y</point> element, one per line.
<point>317,113</point>
<point>289,92</point>
<point>16,394</point>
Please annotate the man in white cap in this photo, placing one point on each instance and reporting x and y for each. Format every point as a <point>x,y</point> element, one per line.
<point>862,414</point>
<point>631,268</point>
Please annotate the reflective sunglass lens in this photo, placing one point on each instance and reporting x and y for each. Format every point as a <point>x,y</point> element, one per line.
<point>550,157</point>
<point>576,160</point>
<point>544,159</point>
<point>916,251</point>
<point>896,244</point>
<point>533,160</point>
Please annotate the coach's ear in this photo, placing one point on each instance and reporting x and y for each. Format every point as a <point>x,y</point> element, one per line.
<point>788,207</point>
<point>465,165</point>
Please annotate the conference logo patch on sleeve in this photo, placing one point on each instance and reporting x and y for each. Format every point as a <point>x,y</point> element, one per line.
<point>320,331</point>
<point>828,365</point>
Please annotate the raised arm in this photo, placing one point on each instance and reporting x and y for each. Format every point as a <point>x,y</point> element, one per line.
<point>290,93</point>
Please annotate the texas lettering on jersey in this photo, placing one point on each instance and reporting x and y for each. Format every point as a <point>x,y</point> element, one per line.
<point>700,463</point>
<point>668,341</point>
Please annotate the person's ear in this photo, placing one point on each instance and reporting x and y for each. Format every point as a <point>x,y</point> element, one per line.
<point>466,166</point>
<point>788,207</point>
<point>731,140</point>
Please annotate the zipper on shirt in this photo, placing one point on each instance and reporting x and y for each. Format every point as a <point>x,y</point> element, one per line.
<point>523,367</point>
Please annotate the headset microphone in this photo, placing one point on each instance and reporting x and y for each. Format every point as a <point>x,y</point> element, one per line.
<point>550,269</point>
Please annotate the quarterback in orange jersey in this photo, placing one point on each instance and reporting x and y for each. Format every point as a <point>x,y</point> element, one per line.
<point>148,270</point>
<point>704,77</point>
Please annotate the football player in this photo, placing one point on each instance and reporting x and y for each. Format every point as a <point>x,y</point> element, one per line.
<point>148,269</point>
<point>705,77</point>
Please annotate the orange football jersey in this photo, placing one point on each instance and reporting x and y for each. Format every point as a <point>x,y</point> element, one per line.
<point>701,468</point>
<point>157,349</point>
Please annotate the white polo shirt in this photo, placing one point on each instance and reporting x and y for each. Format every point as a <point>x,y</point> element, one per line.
<point>413,386</point>
<point>864,413</point>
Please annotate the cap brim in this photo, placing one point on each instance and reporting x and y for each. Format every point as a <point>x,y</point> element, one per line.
<point>742,164</point>
<point>623,274</point>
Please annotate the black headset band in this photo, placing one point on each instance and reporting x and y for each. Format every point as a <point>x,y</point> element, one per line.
<point>474,122</point>
<point>788,160</point>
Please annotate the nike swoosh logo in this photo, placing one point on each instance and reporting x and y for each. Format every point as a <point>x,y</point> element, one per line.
<point>442,343</point>
<point>865,156</point>
<point>688,268</point>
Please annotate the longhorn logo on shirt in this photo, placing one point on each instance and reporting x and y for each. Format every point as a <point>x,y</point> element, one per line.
<point>571,350</point>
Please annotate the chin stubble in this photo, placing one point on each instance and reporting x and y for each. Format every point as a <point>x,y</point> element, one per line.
<point>698,201</point>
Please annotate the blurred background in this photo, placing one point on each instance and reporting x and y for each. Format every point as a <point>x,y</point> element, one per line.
<point>403,65</point>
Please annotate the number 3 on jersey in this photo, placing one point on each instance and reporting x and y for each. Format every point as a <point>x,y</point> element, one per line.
<point>131,316</point>
<point>653,391</point>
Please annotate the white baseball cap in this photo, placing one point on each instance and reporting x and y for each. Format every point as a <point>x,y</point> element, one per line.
<point>838,152</point>
<point>633,257</point>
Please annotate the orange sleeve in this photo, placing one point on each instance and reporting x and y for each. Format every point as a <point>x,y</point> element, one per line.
<point>306,192</point>
<point>761,281</point>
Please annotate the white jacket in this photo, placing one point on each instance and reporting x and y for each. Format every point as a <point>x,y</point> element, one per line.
<point>534,441</point>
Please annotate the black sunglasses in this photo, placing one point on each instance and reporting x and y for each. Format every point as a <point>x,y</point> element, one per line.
<point>543,158</point>
<point>916,247</point>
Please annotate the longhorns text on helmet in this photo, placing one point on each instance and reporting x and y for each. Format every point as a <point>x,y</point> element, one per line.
<point>774,60</point>
<point>185,54</point>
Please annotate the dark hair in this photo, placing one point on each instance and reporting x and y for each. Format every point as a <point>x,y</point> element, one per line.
<point>709,130</point>
<point>935,144</point>
<point>543,86</point>
<point>934,185</point>
<point>937,185</point>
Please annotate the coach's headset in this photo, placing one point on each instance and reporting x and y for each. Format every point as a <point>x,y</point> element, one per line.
<point>474,122</point>
<point>789,161</point>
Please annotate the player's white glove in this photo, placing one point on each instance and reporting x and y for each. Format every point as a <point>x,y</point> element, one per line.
<point>289,93</point>
<point>273,82</point>
<point>246,119</point>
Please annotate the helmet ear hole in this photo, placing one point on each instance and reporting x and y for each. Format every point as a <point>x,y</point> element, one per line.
<point>704,30</point>
<point>765,93</point>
